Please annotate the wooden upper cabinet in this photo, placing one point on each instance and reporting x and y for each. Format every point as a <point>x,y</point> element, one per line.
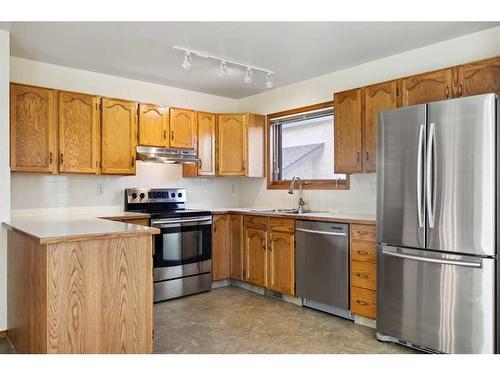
<point>281,256</point>
<point>118,136</point>
<point>347,137</point>
<point>236,246</point>
<point>78,133</point>
<point>255,145</point>
<point>33,129</point>
<point>182,128</point>
<point>231,143</point>
<point>377,98</point>
<point>220,248</point>
<point>426,87</point>
<point>480,77</point>
<point>153,125</point>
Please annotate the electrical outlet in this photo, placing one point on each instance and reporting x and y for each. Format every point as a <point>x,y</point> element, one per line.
<point>373,188</point>
<point>100,189</point>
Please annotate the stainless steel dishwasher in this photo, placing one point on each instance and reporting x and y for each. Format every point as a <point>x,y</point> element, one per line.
<point>322,266</point>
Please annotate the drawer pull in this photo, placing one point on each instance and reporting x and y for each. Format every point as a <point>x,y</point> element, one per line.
<point>363,303</point>
<point>362,252</point>
<point>363,275</point>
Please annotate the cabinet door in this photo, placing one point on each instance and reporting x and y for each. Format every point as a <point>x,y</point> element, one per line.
<point>347,135</point>
<point>33,129</point>
<point>255,145</point>
<point>426,87</point>
<point>182,128</point>
<point>153,125</point>
<point>255,256</point>
<point>480,77</point>
<point>119,136</point>
<point>220,248</point>
<point>206,143</point>
<point>281,263</point>
<point>379,97</point>
<point>78,133</point>
<point>231,143</point>
<point>236,246</point>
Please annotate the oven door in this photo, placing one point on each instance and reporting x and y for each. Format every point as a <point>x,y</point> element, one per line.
<point>183,247</point>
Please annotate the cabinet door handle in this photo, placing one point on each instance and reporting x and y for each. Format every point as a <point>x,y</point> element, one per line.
<point>460,90</point>
<point>357,156</point>
<point>201,164</point>
<point>270,245</point>
<point>363,303</point>
<point>50,157</point>
<point>243,166</point>
<point>62,158</point>
<point>171,135</point>
<point>264,244</point>
<point>165,135</point>
<point>132,162</point>
<point>363,275</point>
<point>447,92</point>
<point>367,156</point>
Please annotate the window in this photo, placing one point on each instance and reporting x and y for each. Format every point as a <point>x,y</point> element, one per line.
<point>301,144</point>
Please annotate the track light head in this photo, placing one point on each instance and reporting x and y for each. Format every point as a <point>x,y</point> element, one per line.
<point>269,80</point>
<point>223,68</point>
<point>187,61</point>
<point>248,75</point>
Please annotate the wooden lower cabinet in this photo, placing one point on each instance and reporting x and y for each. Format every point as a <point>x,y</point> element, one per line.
<point>364,270</point>
<point>220,247</point>
<point>236,246</point>
<point>255,254</point>
<point>281,261</point>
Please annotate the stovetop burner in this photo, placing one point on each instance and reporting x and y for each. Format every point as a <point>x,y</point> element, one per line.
<point>160,203</point>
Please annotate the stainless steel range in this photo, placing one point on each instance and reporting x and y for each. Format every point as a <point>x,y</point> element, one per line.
<point>183,250</point>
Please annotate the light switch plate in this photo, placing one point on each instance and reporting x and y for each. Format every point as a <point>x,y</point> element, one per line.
<point>100,189</point>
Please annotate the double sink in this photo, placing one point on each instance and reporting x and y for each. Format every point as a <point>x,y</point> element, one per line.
<point>283,211</point>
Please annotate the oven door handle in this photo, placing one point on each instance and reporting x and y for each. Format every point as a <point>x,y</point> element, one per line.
<point>174,222</point>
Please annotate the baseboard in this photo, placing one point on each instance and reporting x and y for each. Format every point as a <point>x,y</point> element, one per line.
<point>3,334</point>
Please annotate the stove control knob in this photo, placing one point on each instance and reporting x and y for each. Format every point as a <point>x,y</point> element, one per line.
<point>134,195</point>
<point>179,195</point>
<point>172,195</point>
<point>142,195</point>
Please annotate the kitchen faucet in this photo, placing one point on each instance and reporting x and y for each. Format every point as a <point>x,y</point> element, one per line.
<point>292,187</point>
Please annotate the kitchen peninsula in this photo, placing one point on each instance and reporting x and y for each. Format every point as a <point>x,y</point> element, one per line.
<point>80,285</point>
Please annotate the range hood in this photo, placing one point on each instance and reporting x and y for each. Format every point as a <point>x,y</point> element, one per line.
<point>167,155</point>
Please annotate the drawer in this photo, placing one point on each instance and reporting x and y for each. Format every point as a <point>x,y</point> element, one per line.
<point>364,275</point>
<point>364,302</point>
<point>363,232</point>
<point>259,222</point>
<point>281,225</point>
<point>364,251</point>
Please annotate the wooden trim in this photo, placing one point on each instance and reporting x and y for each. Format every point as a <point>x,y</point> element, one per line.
<point>3,334</point>
<point>318,184</point>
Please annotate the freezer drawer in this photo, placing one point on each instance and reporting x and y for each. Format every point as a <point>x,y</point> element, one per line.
<point>322,262</point>
<point>443,302</point>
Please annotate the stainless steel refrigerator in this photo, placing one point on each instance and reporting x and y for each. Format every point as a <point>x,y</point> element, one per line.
<point>437,225</point>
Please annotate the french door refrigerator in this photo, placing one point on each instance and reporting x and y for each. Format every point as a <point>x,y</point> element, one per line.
<point>437,203</point>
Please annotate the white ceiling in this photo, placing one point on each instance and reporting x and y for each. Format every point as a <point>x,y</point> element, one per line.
<point>294,50</point>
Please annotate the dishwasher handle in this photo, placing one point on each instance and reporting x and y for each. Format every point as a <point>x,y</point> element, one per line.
<point>321,232</point>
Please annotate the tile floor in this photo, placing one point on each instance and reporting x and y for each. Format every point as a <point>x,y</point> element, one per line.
<point>235,320</point>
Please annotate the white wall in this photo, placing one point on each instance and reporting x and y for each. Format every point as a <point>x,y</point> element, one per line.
<point>361,196</point>
<point>32,192</point>
<point>4,171</point>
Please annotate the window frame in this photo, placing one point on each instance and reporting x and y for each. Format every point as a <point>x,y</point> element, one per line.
<point>313,184</point>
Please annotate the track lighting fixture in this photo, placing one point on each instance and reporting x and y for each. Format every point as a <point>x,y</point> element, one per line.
<point>223,69</point>
<point>248,75</point>
<point>269,80</point>
<point>187,61</point>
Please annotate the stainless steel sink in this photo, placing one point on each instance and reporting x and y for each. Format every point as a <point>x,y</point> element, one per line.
<point>282,211</point>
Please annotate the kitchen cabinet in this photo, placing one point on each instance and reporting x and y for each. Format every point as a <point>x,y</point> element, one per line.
<point>236,246</point>
<point>269,256</point>
<point>33,129</point>
<point>220,248</point>
<point>206,126</point>
<point>347,128</point>
<point>78,133</point>
<point>240,145</point>
<point>255,250</point>
<point>182,128</point>
<point>426,87</point>
<point>363,270</point>
<point>118,136</point>
<point>480,77</point>
<point>281,256</point>
<point>153,125</point>
<point>377,98</point>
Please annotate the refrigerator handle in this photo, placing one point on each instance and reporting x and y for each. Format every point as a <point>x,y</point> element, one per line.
<point>431,174</point>
<point>419,175</point>
<point>433,260</point>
